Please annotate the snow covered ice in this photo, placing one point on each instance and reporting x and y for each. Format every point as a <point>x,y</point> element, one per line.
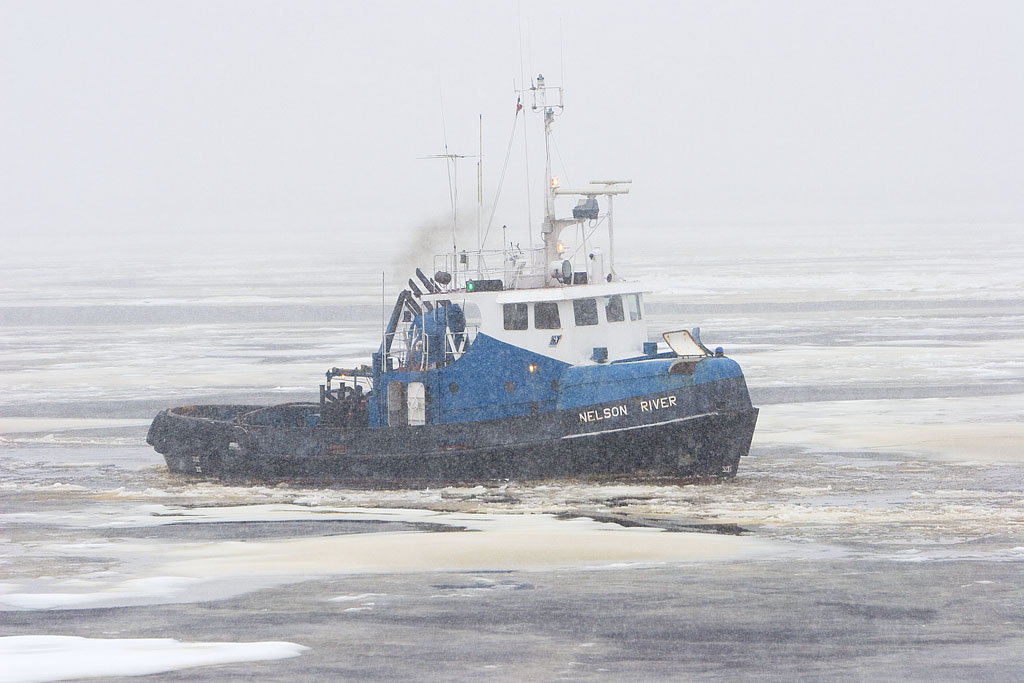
<point>884,491</point>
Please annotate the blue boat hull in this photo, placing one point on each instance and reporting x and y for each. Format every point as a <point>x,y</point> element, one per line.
<point>699,431</point>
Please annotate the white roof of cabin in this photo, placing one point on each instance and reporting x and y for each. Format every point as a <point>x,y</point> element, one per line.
<point>564,293</point>
<point>568,292</point>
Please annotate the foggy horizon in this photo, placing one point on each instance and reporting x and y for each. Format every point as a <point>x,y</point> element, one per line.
<point>122,121</point>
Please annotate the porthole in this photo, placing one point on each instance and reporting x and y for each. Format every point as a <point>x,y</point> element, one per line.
<point>453,387</point>
<point>510,387</point>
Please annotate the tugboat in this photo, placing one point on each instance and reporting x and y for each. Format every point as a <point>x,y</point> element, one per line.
<point>516,363</point>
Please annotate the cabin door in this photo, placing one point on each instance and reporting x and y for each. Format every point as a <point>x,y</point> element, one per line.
<point>417,397</point>
<point>398,413</point>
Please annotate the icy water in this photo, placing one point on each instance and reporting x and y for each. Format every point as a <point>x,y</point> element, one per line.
<point>875,532</point>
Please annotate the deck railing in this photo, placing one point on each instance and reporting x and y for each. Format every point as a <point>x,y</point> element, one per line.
<point>410,355</point>
<point>516,268</point>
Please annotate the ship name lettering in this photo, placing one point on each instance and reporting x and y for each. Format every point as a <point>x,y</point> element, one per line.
<point>603,414</point>
<point>657,403</point>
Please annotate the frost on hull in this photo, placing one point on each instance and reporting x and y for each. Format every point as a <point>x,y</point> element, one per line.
<point>506,363</point>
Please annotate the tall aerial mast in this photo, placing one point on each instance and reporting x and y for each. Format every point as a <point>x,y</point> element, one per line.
<point>549,100</point>
<point>453,189</point>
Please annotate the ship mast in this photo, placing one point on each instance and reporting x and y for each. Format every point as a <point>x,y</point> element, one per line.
<point>549,180</point>
<point>549,100</point>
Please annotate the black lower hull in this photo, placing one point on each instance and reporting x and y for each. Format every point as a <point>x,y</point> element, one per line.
<point>681,436</point>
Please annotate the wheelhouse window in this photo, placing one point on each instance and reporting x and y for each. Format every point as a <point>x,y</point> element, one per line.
<point>516,316</point>
<point>585,311</point>
<point>545,316</point>
<point>613,309</point>
<point>634,306</point>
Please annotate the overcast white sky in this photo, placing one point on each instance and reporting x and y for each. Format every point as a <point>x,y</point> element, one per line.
<point>126,119</point>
